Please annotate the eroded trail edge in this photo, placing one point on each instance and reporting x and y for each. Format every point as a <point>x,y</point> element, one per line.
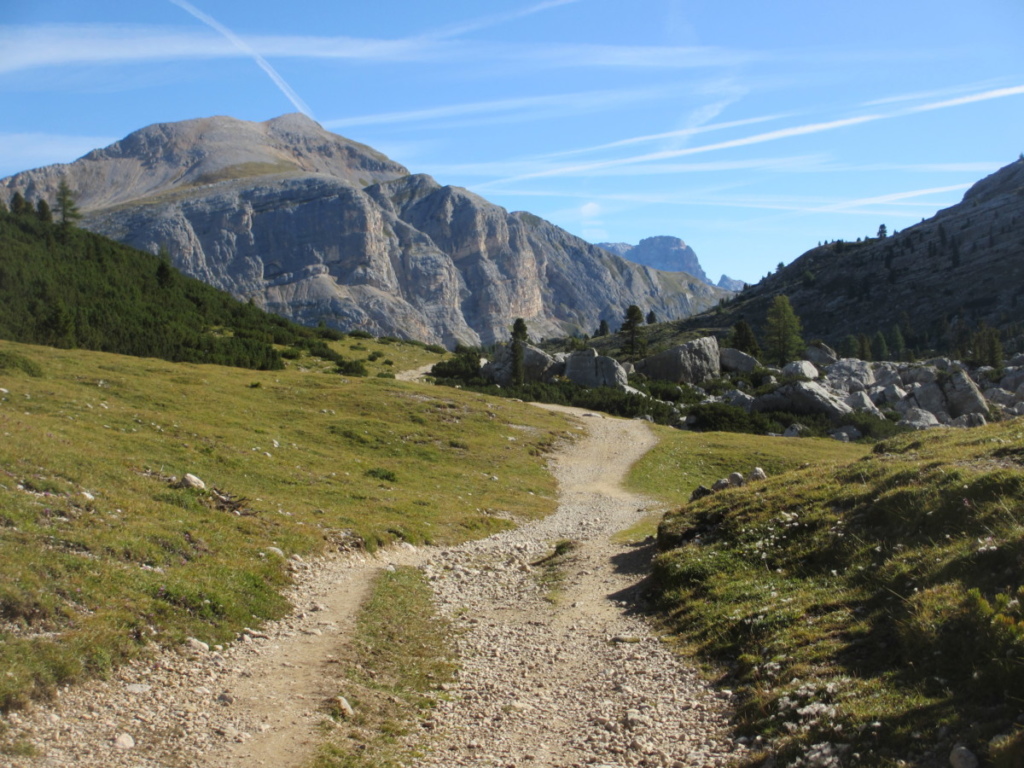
<point>569,676</point>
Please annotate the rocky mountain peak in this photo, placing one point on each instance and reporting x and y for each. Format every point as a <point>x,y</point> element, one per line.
<point>1006,180</point>
<point>664,252</point>
<point>319,228</point>
<point>164,157</point>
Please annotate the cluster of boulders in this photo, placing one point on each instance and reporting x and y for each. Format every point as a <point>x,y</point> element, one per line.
<point>735,480</point>
<point>690,363</point>
<point>933,393</point>
<point>937,392</point>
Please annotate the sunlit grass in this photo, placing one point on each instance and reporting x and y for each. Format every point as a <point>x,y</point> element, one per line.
<point>103,555</point>
<point>872,604</point>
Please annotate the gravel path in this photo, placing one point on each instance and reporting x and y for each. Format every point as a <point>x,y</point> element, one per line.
<point>577,681</point>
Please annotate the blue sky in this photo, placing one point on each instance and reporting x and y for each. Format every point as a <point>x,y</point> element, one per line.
<point>750,129</point>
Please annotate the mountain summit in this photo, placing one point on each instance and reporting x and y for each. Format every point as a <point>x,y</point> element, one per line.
<point>663,252</point>
<point>319,228</point>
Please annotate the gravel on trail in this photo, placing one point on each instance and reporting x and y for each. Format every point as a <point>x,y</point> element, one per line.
<point>576,678</point>
<point>573,678</point>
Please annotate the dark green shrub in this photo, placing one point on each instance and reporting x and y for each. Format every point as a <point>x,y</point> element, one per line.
<point>382,474</point>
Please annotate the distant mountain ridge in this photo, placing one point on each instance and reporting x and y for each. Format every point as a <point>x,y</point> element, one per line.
<point>671,255</point>
<point>936,280</point>
<point>318,228</point>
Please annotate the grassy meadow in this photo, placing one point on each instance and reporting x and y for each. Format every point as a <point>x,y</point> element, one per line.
<point>866,609</point>
<point>104,555</point>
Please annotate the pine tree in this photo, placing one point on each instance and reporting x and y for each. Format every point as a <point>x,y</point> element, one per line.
<point>520,336</point>
<point>651,318</point>
<point>879,347</point>
<point>632,325</point>
<point>882,232</point>
<point>69,212</point>
<point>602,329</point>
<point>43,211</point>
<point>863,346</point>
<point>743,339</point>
<point>849,347</point>
<point>19,205</point>
<point>782,331</point>
<point>897,344</point>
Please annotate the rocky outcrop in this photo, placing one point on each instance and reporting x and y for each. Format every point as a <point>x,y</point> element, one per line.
<point>538,365</point>
<point>729,284</point>
<point>318,228</point>
<point>734,361</point>
<point>820,354</point>
<point>665,253</point>
<point>807,397</point>
<point>588,369</point>
<point>690,363</point>
<point>802,368</point>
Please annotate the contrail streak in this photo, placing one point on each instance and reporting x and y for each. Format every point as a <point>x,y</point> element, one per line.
<point>239,43</point>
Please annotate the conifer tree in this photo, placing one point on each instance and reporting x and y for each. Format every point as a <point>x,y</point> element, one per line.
<point>849,347</point>
<point>879,347</point>
<point>602,329</point>
<point>897,344</point>
<point>520,335</point>
<point>43,211</point>
<point>19,205</point>
<point>632,326</point>
<point>782,332</point>
<point>66,205</point>
<point>743,339</point>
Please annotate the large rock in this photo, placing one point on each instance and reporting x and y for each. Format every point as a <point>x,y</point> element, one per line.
<point>861,401</point>
<point>803,397</point>
<point>1012,379</point>
<point>588,369</point>
<point>963,396</point>
<point>800,368</point>
<point>820,354</point>
<point>931,398</point>
<point>918,374</point>
<point>1000,396</point>
<point>691,363</point>
<point>537,365</point>
<point>734,361</point>
<point>850,375</point>
<point>916,418</point>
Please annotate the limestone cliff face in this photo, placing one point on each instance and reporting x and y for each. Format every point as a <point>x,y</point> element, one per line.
<point>663,252</point>
<point>317,228</point>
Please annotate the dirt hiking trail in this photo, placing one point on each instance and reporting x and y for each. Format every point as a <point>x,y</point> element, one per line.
<point>557,668</point>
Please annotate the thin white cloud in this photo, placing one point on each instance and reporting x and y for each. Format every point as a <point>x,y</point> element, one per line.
<point>243,46</point>
<point>631,56</point>
<point>27,47</point>
<point>933,94</point>
<point>760,138</point>
<point>899,206</point>
<point>800,130</point>
<point>996,93</point>
<point>666,135</point>
<point>562,102</point>
<point>848,205</point>
<point>475,25</point>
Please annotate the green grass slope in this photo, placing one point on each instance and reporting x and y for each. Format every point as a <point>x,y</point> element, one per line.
<point>868,609</point>
<point>103,556</point>
<point>77,289</point>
